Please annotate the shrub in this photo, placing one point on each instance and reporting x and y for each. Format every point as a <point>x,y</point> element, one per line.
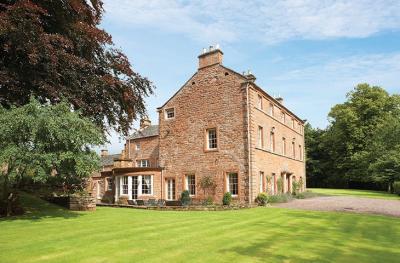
<point>227,199</point>
<point>280,198</point>
<point>396,187</point>
<point>262,199</point>
<point>185,198</point>
<point>295,187</point>
<point>208,201</point>
<point>279,184</point>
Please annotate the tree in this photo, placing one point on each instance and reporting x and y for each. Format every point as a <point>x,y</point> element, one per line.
<point>54,49</point>
<point>383,156</point>
<point>45,141</point>
<point>353,126</point>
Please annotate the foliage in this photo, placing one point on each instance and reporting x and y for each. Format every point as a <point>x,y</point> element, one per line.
<point>227,198</point>
<point>361,143</point>
<point>56,49</point>
<point>47,143</point>
<point>280,198</point>
<point>185,198</point>
<point>207,184</point>
<point>396,187</point>
<point>296,185</point>
<point>306,194</point>
<point>262,199</point>
<point>208,201</point>
<point>279,185</point>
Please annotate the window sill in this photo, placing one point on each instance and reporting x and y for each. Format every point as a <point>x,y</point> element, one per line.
<point>211,150</point>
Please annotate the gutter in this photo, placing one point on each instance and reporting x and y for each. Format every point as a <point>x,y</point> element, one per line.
<point>249,145</point>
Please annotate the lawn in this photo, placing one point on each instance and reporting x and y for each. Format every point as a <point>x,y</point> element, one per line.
<point>51,234</point>
<point>355,192</point>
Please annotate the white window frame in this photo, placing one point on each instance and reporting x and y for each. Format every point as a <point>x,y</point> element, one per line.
<point>143,163</point>
<point>141,178</point>
<point>208,139</point>
<point>260,102</point>
<point>137,146</point>
<point>123,184</point>
<point>228,183</point>
<point>260,137</point>
<point>261,181</point>
<point>168,111</point>
<point>187,184</point>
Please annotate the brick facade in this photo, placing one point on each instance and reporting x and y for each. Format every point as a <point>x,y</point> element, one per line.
<point>238,112</point>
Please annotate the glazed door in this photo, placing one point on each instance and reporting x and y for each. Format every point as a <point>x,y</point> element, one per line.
<point>170,189</point>
<point>135,186</point>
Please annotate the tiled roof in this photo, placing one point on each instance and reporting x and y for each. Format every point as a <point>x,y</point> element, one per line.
<point>109,159</point>
<point>152,130</point>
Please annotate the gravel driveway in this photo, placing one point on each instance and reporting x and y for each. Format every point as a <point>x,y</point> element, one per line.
<point>347,204</point>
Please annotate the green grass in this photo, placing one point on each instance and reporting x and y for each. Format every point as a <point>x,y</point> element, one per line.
<point>51,234</point>
<point>354,192</point>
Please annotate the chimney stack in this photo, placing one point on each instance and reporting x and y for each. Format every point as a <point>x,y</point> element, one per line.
<point>210,57</point>
<point>103,152</point>
<point>249,76</point>
<point>144,123</point>
<point>279,99</point>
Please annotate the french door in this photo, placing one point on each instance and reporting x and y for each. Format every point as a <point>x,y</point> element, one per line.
<point>135,187</point>
<point>170,189</point>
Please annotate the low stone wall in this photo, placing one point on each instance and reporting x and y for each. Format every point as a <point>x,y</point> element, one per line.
<point>75,203</point>
<point>82,203</point>
<point>181,208</point>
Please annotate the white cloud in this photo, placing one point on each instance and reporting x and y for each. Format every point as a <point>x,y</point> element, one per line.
<point>266,21</point>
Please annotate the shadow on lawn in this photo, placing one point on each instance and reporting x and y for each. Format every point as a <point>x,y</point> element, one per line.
<point>326,241</point>
<point>37,209</point>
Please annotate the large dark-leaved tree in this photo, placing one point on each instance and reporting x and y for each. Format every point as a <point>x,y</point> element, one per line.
<point>55,50</point>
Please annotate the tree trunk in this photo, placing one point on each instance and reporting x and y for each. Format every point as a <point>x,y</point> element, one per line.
<point>6,194</point>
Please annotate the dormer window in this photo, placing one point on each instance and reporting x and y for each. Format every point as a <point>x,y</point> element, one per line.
<point>170,113</point>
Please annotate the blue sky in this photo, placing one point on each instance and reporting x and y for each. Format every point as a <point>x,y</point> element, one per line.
<point>310,52</point>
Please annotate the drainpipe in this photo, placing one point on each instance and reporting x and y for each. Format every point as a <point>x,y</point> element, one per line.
<point>249,145</point>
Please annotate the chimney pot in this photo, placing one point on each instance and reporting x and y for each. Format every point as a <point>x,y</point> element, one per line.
<point>279,99</point>
<point>144,123</point>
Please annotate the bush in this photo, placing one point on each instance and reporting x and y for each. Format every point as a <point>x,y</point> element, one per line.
<point>280,198</point>
<point>396,187</point>
<point>227,199</point>
<point>208,201</point>
<point>185,198</point>
<point>262,199</point>
<point>295,187</point>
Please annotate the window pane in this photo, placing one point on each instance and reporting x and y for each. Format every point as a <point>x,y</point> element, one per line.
<point>212,138</point>
<point>233,183</point>
<point>146,184</point>
<point>125,185</point>
<point>191,184</point>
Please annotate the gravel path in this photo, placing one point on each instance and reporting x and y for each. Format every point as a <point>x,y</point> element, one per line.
<point>347,204</point>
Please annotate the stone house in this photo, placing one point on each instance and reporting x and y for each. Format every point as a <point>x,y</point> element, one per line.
<point>221,125</point>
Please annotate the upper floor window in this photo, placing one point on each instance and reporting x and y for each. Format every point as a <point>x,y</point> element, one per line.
<point>261,181</point>
<point>137,146</point>
<point>232,185</point>
<point>293,150</point>
<point>283,117</point>
<point>170,113</point>
<point>271,109</point>
<point>147,184</point>
<point>272,141</point>
<point>143,163</point>
<point>260,136</point>
<point>284,146</point>
<point>293,122</point>
<point>260,102</point>
<point>191,184</point>
<point>212,139</point>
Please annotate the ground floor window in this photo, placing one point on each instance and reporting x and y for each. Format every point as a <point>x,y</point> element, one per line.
<point>170,185</point>
<point>233,187</point>
<point>146,184</point>
<point>191,184</point>
<point>109,184</point>
<point>125,185</point>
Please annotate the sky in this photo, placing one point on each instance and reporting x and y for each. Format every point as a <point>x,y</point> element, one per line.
<point>310,52</point>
